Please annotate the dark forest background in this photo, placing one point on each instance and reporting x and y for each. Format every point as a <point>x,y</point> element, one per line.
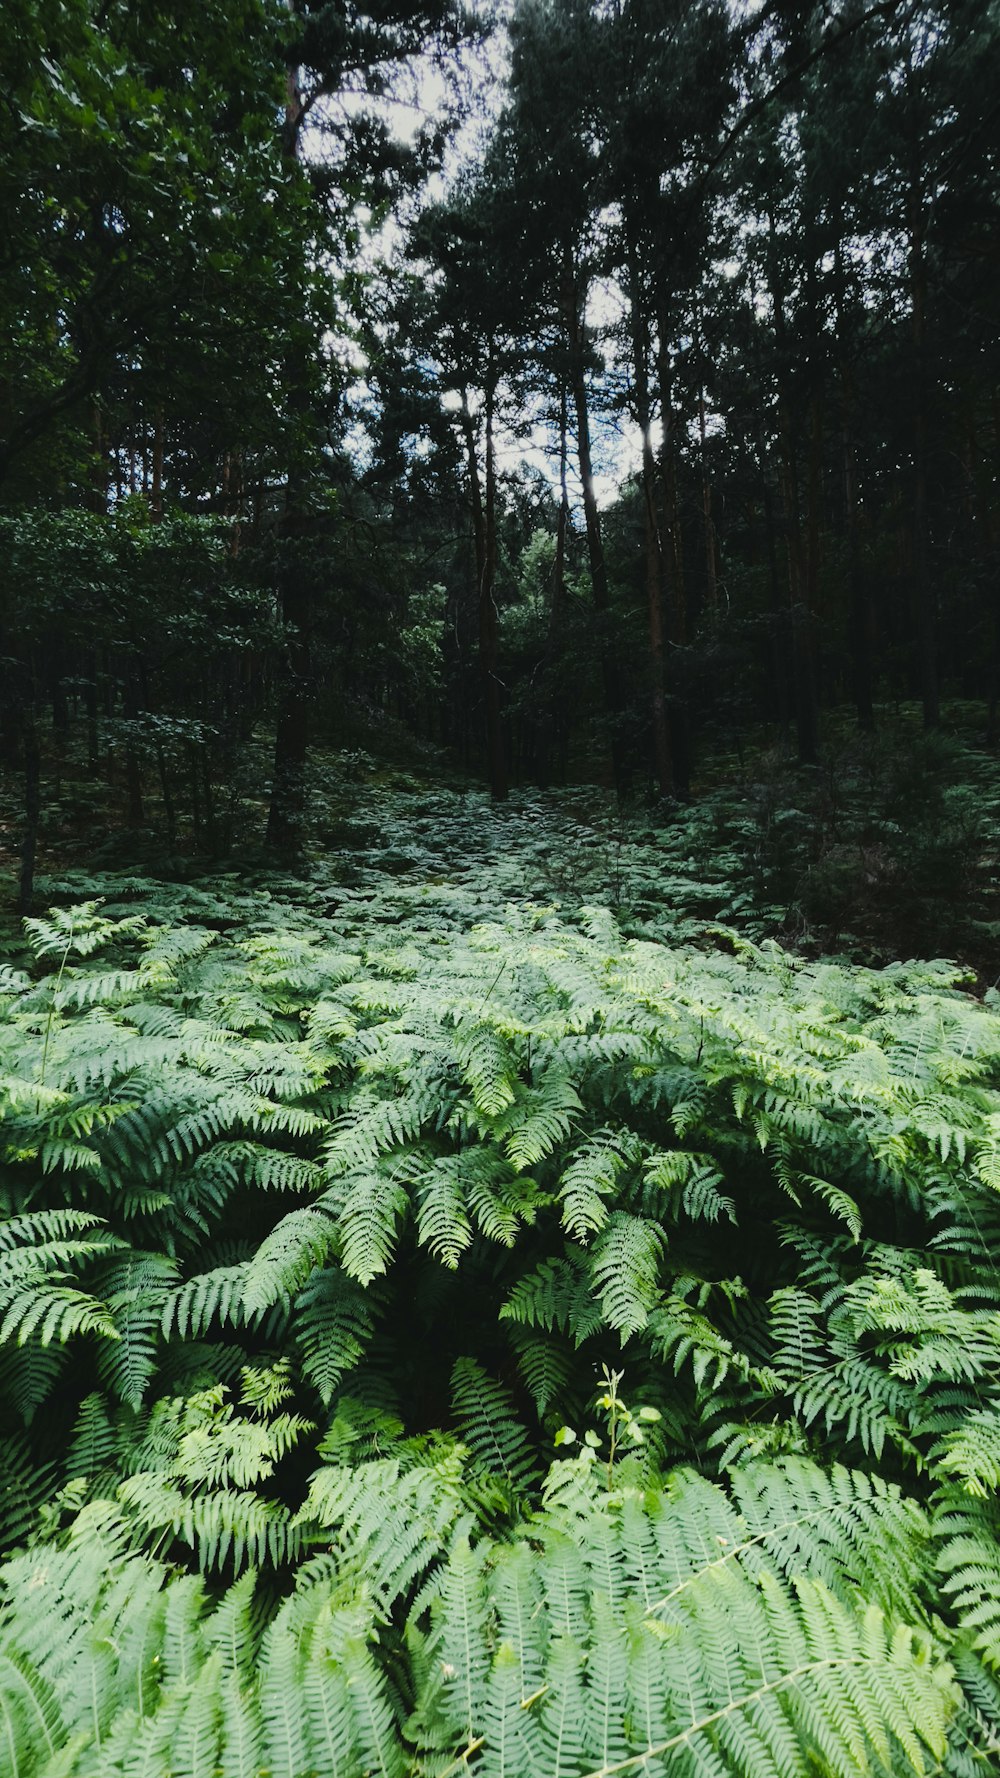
<point>309,418</point>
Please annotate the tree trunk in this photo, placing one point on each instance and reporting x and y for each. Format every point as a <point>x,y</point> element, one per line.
<point>90,707</point>
<point>133,769</point>
<point>652,539</point>
<point>861,620</point>
<point>672,557</point>
<point>488,640</point>
<point>801,616</point>
<point>673,560</point>
<point>291,734</point>
<point>711,575</point>
<point>595,541</point>
<point>97,496</point>
<point>922,594</point>
<point>286,809</point>
<point>32,806</point>
<point>562,524</point>
<point>484,539</point>
<point>156,491</point>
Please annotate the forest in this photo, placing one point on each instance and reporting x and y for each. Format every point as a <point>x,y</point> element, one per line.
<point>499,940</point>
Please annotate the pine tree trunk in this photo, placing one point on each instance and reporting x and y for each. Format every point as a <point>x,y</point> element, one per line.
<point>861,619</point>
<point>291,735</point>
<point>562,524</point>
<point>802,625</point>
<point>488,639</point>
<point>133,769</point>
<point>672,558</point>
<point>711,575</point>
<point>286,809</point>
<point>551,723</point>
<point>90,707</point>
<point>922,593</point>
<point>595,541</point>
<point>156,492</point>
<point>652,540</point>
<point>483,508</point>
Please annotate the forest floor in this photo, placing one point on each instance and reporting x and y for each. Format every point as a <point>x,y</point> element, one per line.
<point>886,850</point>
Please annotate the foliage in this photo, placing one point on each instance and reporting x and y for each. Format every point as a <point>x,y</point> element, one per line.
<point>316,1236</point>
<point>138,157</point>
<point>615,1630</point>
<point>482,1303</point>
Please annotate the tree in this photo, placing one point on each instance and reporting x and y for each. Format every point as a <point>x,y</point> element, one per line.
<point>156,242</point>
<point>335,54</point>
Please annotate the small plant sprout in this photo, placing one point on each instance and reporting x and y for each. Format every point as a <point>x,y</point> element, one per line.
<point>624,1425</point>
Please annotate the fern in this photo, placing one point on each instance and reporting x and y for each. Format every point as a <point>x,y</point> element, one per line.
<point>210,1296</point>
<point>286,1257</point>
<point>589,1180</point>
<point>334,1323</point>
<point>262,1196</point>
<point>372,1205</point>
<point>487,1424</point>
<point>681,1622</point>
<point>625,1268</point>
<point>392,1518</point>
<point>969,1566</point>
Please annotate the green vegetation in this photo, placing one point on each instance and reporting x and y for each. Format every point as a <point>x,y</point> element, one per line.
<point>499,943</point>
<point>322,1230</point>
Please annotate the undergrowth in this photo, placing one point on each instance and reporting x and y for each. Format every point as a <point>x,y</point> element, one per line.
<point>515,1348</point>
<point>885,850</point>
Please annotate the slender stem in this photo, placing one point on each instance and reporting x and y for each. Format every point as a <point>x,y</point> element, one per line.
<point>52,1010</point>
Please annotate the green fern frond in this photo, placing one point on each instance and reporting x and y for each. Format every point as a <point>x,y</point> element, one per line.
<point>372,1205</point>
<point>135,1288</point>
<point>443,1225</point>
<point>971,1453</point>
<point>391,1520</point>
<point>286,1258</point>
<point>24,1488</point>
<point>968,1536</point>
<point>486,1423</point>
<point>36,1307</point>
<point>333,1322</point>
<point>547,1369</point>
<point>212,1296</point>
<point>539,1118</point>
<point>590,1179</point>
<point>625,1265</point>
<point>556,1294</point>
<point>488,1067</point>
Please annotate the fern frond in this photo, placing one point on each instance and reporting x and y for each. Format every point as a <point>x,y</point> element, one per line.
<point>590,1179</point>
<point>301,1241</point>
<point>485,1421</point>
<point>556,1294</point>
<point>488,1067</point>
<point>539,1118</point>
<point>333,1322</point>
<point>443,1225</point>
<point>212,1296</point>
<point>392,1523</point>
<point>372,1205</point>
<point>625,1263</point>
<point>969,1563</point>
